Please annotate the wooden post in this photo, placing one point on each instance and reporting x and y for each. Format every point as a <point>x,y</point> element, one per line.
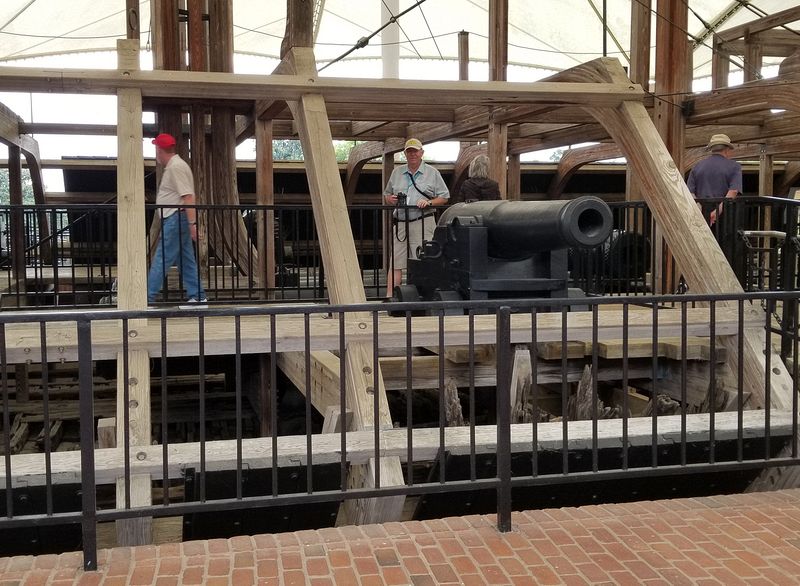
<point>639,73</point>
<point>299,25</point>
<point>498,149</point>
<point>640,43</point>
<point>132,293</point>
<point>514,177</point>
<point>753,56</point>
<point>265,196</point>
<point>498,39</point>
<point>498,63</point>
<point>766,177</point>
<point>672,58</point>
<point>198,61</point>
<point>720,64</point>
<point>463,55</point>
<point>18,243</point>
<point>132,18</point>
<point>387,166</point>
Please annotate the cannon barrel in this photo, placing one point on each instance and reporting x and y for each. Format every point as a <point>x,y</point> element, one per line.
<point>517,229</point>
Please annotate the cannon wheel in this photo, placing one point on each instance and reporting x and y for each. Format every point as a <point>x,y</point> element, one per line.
<point>405,294</point>
<point>448,295</point>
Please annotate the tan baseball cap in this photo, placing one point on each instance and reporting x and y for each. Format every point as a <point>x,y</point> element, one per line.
<point>413,143</point>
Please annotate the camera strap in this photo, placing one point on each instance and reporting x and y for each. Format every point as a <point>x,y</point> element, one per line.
<point>414,183</point>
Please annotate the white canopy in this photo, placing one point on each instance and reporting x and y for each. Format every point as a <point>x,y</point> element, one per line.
<point>544,34</point>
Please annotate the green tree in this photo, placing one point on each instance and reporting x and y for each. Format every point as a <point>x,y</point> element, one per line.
<point>27,187</point>
<point>343,148</point>
<point>287,150</point>
<point>556,155</point>
<point>292,150</point>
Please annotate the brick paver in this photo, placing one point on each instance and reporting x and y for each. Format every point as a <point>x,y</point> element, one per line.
<point>738,539</point>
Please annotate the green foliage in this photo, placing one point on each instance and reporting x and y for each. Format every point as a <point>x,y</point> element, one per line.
<point>27,187</point>
<point>291,150</point>
<point>287,150</point>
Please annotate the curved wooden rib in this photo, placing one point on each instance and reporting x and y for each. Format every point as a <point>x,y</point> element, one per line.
<point>791,174</point>
<point>359,156</point>
<point>789,144</point>
<point>10,135</point>
<point>755,96</point>
<point>574,159</point>
<point>461,167</point>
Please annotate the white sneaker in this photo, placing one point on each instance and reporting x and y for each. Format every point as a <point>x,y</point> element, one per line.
<point>194,303</point>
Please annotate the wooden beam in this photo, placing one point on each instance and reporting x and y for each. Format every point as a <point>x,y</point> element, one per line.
<point>498,151</point>
<point>498,39</point>
<point>133,368</point>
<point>672,73</point>
<point>686,232</point>
<point>29,469</point>
<point>753,58</point>
<point>23,340</point>
<point>761,24</point>
<point>405,93</point>
<point>324,375</point>
<point>720,64</point>
<point>733,102</point>
<point>640,43</point>
<point>364,382</point>
<point>265,196</point>
<point>132,19</point>
<point>772,43</point>
<point>514,178</point>
<point>567,136</point>
<point>766,175</point>
<point>299,30</point>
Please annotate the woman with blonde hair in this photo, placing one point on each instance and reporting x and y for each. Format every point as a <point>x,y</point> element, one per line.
<point>479,186</point>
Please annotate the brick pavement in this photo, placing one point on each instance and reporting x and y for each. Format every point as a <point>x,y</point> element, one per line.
<point>726,540</point>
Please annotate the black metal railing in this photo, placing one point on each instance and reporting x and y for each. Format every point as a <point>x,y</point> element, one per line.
<point>70,252</point>
<point>693,411</point>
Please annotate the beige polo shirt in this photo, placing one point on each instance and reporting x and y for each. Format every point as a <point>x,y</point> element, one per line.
<point>176,181</point>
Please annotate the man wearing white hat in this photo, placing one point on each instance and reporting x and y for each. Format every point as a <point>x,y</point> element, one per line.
<point>717,175</point>
<point>423,188</point>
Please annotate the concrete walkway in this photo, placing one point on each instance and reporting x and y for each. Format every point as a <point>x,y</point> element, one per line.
<point>726,540</point>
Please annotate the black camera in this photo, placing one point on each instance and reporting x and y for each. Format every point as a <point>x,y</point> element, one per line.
<point>402,199</point>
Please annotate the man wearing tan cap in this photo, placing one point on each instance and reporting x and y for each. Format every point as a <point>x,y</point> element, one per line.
<point>717,175</point>
<point>178,224</point>
<point>414,222</point>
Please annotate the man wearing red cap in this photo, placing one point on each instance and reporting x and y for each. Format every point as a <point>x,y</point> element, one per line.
<point>178,224</point>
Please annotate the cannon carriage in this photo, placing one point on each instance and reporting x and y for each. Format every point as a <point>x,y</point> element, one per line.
<point>505,249</point>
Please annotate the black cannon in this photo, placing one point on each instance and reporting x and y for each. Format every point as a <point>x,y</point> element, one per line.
<point>504,249</point>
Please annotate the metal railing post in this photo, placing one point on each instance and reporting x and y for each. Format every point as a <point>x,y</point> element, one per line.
<point>504,360</point>
<point>86,405</point>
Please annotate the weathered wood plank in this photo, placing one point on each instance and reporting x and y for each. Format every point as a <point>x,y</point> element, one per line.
<point>387,92</point>
<point>28,469</point>
<point>23,340</point>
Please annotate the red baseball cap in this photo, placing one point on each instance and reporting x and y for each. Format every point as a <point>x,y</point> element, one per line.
<point>164,141</point>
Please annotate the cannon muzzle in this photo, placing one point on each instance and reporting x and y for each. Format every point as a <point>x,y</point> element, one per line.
<point>517,229</point>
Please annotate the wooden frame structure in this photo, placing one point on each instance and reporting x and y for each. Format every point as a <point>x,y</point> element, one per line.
<point>594,101</point>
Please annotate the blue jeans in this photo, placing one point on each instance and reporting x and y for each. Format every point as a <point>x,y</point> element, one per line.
<point>175,246</point>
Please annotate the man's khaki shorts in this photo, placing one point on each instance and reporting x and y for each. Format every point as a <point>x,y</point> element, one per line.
<point>418,230</point>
